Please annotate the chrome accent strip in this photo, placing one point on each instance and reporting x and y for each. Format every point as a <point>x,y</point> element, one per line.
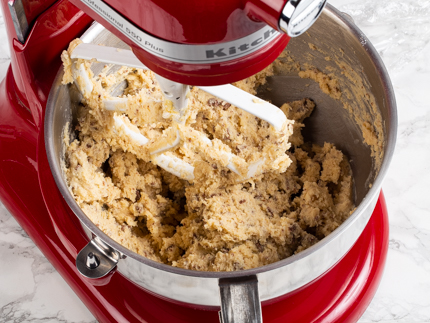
<point>19,19</point>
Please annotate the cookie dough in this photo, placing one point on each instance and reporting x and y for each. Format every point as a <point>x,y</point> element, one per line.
<point>215,222</point>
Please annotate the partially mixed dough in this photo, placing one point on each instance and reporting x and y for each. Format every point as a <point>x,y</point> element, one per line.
<point>214,222</point>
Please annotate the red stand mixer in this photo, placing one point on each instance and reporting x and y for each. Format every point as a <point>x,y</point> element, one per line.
<point>192,43</point>
<point>205,43</point>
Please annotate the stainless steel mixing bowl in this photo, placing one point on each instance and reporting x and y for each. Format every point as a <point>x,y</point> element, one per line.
<point>369,94</point>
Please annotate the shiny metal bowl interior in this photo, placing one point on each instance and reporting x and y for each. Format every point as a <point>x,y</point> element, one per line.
<point>330,122</point>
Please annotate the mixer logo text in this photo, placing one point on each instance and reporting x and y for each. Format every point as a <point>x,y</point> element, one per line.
<point>244,47</point>
<point>153,47</point>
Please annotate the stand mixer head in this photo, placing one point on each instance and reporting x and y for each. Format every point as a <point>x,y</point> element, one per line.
<point>205,43</point>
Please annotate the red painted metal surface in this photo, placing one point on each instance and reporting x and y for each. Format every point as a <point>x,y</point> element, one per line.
<point>28,191</point>
<point>34,8</point>
<point>191,21</point>
<point>200,22</point>
<point>34,63</point>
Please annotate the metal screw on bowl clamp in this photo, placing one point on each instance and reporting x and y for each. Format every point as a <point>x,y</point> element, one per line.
<point>92,261</point>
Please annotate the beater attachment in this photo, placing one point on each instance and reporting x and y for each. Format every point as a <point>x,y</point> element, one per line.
<point>174,148</point>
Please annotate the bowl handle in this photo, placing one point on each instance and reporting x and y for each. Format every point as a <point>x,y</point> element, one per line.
<point>240,301</point>
<point>96,259</point>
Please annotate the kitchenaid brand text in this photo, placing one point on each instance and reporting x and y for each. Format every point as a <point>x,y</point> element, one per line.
<point>248,46</point>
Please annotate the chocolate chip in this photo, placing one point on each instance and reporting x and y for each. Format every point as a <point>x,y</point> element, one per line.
<point>138,195</point>
<point>213,102</point>
<point>259,247</point>
<point>225,106</point>
<point>294,227</point>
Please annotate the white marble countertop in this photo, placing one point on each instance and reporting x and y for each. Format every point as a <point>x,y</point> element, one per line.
<point>31,289</point>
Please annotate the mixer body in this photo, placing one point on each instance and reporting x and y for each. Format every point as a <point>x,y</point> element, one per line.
<point>205,42</point>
